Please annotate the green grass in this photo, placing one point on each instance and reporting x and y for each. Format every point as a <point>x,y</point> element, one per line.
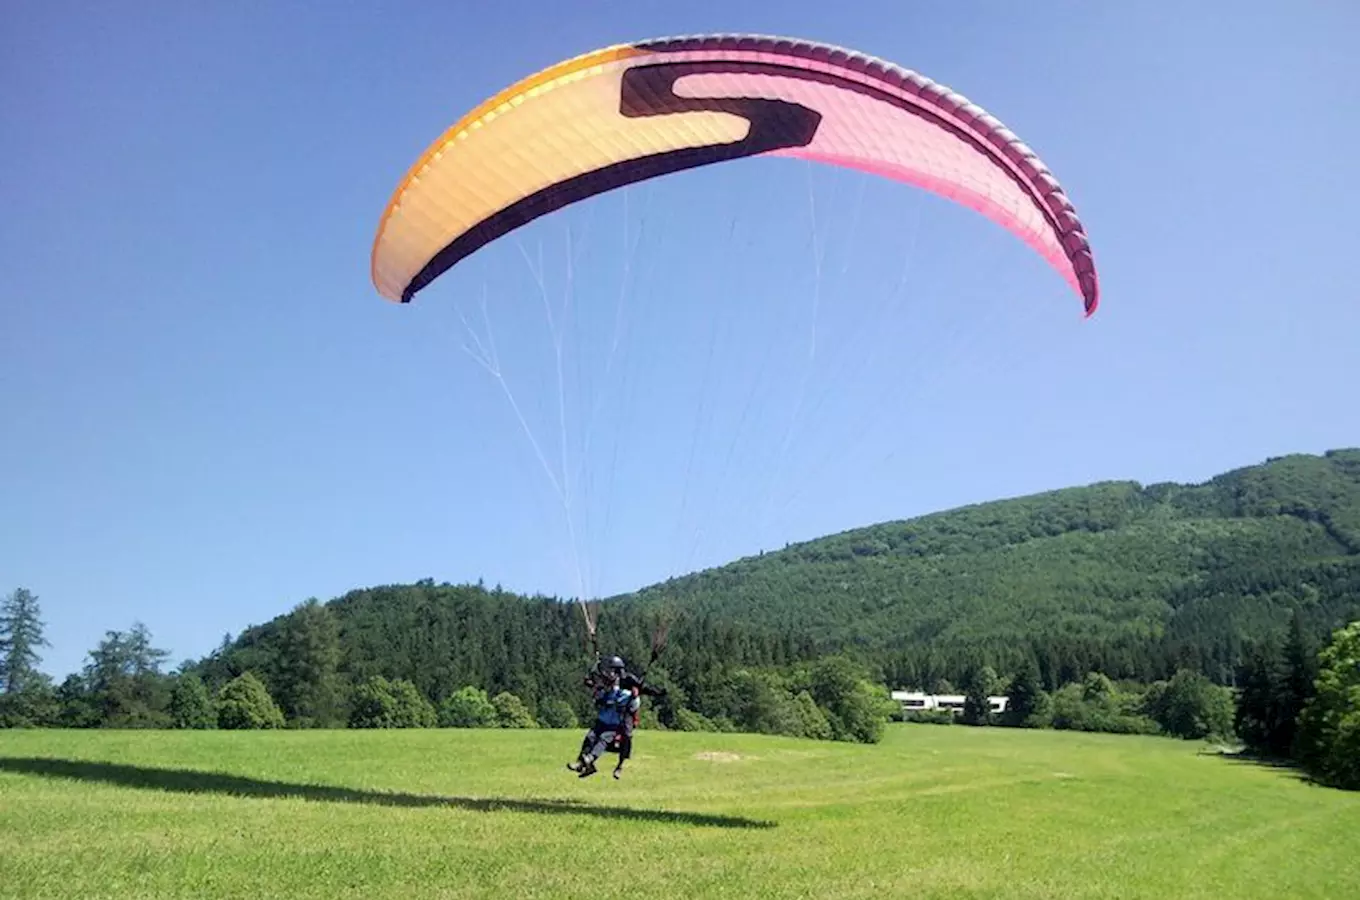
<point>931,812</point>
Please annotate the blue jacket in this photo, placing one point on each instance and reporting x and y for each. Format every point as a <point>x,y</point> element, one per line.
<point>614,704</point>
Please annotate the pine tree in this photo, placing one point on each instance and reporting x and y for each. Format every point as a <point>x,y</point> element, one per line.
<point>1300,662</point>
<point>1026,695</point>
<point>1259,718</point>
<point>977,708</point>
<point>21,634</point>
<point>307,681</point>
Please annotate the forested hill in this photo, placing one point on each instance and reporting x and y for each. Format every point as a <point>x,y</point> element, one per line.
<point>1117,577</point>
<point>1117,562</point>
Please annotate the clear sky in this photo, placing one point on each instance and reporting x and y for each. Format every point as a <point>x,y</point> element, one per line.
<point>209,415</point>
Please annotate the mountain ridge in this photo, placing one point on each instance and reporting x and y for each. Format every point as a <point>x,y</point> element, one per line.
<point>1134,581</point>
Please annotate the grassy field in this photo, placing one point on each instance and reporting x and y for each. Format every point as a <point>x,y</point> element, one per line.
<point>931,812</point>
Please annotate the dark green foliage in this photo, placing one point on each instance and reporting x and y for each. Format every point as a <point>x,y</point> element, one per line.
<point>21,634</point>
<point>33,706</point>
<point>666,707</point>
<point>1133,581</point>
<point>122,685</point>
<point>1095,704</point>
<point>244,703</point>
<point>1301,670</point>
<point>1190,706</point>
<point>75,704</point>
<point>760,702</point>
<point>1026,701</point>
<point>978,687</point>
<point>556,713</point>
<point>1260,718</point>
<point>27,699</point>
<point>190,705</point>
<point>380,703</point>
<point>812,721</point>
<point>929,716</point>
<point>1275,682</point>
<point>306,682</point>
<point>689,720</point>
<point>1235,579</point>
<point>855,708</point>
<point>1329,727</point>
<point>468,707</point>
<point>511,711</point>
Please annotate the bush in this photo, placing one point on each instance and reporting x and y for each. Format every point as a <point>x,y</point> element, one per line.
<point>244,703</point>
<point>190,705</point>
<point>689,720</point>
<point>929,716</point>
<point>1190,706</point>
<point>379,703</point>
<point>557,713</point>
<point>812,719</point>
<point>1329,728</point>
<point>511,711</point>
<point>468,707</point>
<point>855,709</point>
<point>762,704</point>
<point>1094,705</point>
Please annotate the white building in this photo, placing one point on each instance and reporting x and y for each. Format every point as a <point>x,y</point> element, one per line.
<point>913,701</point>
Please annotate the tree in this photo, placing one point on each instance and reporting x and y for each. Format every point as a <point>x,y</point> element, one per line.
<point>1026,697</point>
<point>1259,715</point>
<point>1276,682</point>
<point>124,682</point>
<point>412,709</point>
<point>855,709</point>
<point>557,713</point>
<point>469,707</point>
<point>380,703</point>
<point>760,703</point>
<point>21,634</point>
<point>190,705</point>
<point>812,719</point>
<point>244,703</point>
<point>977,704</point>
<point>1329,728</point>
<point>511,711</point>
<point>1301,669</point>
<point>1190,706</point>
<point>308,661</point>
<point>75,703</point>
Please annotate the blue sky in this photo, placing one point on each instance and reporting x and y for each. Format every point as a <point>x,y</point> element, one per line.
<point>209,414</point>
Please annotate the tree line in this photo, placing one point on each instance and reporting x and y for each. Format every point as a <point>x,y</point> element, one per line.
<point>436,656</point>
<point>361,663</point>
<point>1295,702</point>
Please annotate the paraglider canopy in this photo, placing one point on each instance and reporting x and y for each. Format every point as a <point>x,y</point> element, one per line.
<point>627,113</point>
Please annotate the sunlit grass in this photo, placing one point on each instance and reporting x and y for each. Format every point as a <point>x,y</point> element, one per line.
<point>932,811</point>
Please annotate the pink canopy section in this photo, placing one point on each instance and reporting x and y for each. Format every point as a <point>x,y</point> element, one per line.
<point>631,112</point>
<point>880,118</point>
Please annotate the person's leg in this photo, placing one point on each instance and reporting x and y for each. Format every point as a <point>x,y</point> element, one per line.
<point>625,749</point>
<point>591,737</point>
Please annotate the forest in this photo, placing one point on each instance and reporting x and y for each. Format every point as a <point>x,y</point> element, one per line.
<point>1196,610</point>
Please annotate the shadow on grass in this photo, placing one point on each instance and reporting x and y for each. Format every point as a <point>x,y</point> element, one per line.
<point>1248,758</point>
<point>192,781</point>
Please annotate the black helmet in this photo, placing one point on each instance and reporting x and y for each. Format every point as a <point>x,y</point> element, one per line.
<point>616,663</point>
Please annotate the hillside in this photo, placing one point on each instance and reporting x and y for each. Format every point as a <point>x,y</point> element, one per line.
<point>1129,580</point>
<point>1117,562</point>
